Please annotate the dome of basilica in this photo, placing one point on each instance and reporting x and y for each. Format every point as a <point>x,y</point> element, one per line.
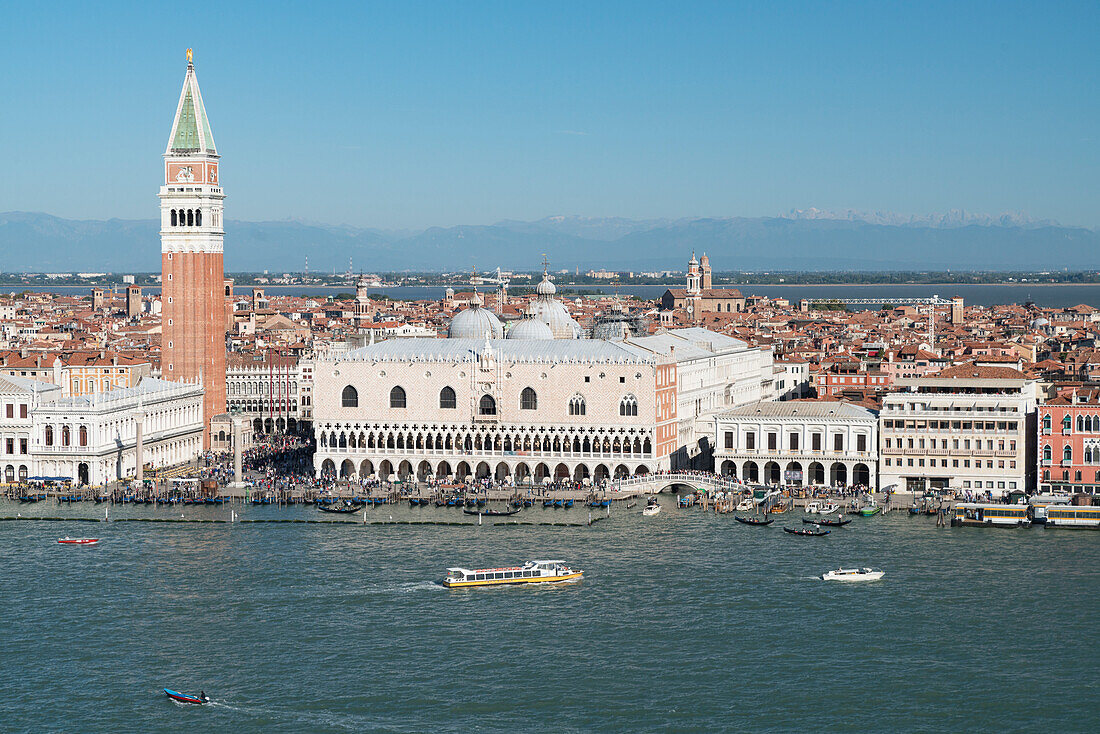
<point>530,328</point>
<point>552,312</point>
<point>475,322</point>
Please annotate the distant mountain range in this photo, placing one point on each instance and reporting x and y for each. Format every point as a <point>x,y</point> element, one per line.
<point>801,240</point>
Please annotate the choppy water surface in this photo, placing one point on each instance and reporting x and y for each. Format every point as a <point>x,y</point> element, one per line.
<point>684,622</point>
<point>1047,295</point>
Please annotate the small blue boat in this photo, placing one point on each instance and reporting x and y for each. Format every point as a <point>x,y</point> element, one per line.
<point>567,504</point>
<point>186,698</point>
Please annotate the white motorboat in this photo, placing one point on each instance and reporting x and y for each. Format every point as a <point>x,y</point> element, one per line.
<point>853,574</point>
<point>829,508</point>
<point>651,508</point>
<point>813,508</point>
<point>747,505</point>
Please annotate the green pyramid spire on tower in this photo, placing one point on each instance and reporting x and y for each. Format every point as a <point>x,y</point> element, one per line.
<point>191,129</point>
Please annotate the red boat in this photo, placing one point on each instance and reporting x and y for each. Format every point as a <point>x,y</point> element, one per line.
<point>185,698</point>
<point>77,541</point>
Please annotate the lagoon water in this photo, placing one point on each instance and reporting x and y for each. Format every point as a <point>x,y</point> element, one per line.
<point>685,622</point>
<point>1045,295</point>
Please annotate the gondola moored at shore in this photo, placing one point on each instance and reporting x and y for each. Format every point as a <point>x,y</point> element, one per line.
<point>346,508</point>
<point>491,513</point>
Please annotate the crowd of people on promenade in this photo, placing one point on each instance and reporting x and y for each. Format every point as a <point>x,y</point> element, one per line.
<point>284,463</point>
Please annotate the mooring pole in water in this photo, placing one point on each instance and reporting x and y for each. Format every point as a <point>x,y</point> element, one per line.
<point>479,518</point>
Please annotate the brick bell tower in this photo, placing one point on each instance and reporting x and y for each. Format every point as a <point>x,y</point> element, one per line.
<point>192,275</point>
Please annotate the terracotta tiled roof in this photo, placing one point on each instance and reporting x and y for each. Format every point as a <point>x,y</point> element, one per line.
<point>972,370</point>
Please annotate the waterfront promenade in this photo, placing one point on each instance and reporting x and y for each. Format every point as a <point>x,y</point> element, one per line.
<point>713,492</point>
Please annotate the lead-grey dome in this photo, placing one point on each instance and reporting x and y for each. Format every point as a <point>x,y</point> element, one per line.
<point>530,328</point>
<point>475,322</point>
<point>546,287</point>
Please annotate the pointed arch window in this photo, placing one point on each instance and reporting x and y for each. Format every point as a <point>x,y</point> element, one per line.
<point>349,397</point>
<point>487,405</point>
<point>528,400</point>
<point>1080,423</point>
<point>1067,423</point>
<point>447,398</point>
<point>1067,454</point>
<point>577,406</point>
<point>1046,422</point>
<point>397,397</point>
<point>628,406</point>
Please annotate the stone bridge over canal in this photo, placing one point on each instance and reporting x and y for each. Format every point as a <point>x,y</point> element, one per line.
<point>653,483</point>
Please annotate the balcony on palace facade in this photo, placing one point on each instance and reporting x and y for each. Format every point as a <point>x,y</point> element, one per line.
<point>461,453</point>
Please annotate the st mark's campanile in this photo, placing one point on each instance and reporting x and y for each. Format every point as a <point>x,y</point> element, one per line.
<point>192,274</point>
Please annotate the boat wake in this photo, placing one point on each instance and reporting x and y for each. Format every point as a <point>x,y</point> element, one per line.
<point>310,719</point>
<point>411,586</point>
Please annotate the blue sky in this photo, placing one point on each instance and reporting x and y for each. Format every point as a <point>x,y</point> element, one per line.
<point>409,115</point>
